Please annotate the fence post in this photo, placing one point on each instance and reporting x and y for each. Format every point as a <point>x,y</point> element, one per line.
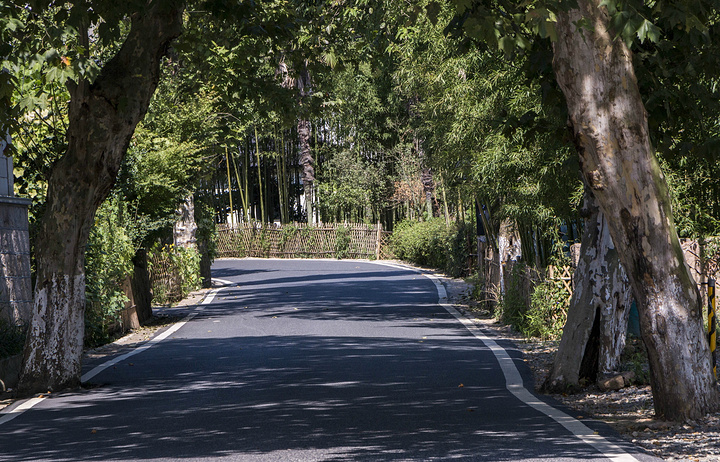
<point>378,240</point>
<point>711,324</point>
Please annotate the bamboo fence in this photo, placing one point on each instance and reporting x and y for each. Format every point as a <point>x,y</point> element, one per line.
<point>164,277</point>
<point>301,240</point>
<point>564,275</point>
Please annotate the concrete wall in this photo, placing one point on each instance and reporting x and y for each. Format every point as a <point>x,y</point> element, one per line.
<point>15,282</point>
<point>6,176</point>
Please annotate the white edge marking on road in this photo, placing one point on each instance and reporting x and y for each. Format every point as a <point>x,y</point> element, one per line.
<point>209,297</point>
<point>514,382</point>
<point>224,281</point>
<point>17,408</point>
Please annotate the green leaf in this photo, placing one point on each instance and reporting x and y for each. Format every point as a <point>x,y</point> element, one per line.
<point>611,6</point>
<point>507,44</point>
<point>649,31</point>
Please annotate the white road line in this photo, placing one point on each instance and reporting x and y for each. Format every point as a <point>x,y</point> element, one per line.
<point>514,384</point>
<point>17,408</point>
<point>224,281</point>
<point>209,297</point>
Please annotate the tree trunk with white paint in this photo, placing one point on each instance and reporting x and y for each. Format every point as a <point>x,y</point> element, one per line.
<point>609,122</point>
<point>103,116</point>
<point>594,334</point>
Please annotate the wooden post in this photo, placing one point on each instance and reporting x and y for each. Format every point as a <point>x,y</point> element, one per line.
<point>378,241</point>
<point>711,324</point>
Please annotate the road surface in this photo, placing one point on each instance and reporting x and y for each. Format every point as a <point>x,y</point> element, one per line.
<point>305,360</point>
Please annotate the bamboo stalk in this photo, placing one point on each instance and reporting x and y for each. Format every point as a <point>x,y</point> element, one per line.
<point>260,183</point>
<point>227,163</point>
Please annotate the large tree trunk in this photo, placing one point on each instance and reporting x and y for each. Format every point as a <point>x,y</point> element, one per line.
<point>103,116</point>
<point>306,160</point>
<point>595,72</point>
<point>594,334</point>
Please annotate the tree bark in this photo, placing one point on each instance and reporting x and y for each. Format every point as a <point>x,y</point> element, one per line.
<point>594,334</point>
<point>306,160</point>
<point>609,122</point>
<point>103,116</point>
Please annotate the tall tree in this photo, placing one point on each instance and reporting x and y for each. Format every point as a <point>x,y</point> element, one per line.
<point>103,112</point>
<point>609,122</point>
<point>594,69</point>
<point>303,128</point>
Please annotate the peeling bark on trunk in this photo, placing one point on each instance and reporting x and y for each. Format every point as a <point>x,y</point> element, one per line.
<point>594,334</point>
<point>306,160</point>
<point>609,121</point>
<point>103,116</point>
<point>428,184</point>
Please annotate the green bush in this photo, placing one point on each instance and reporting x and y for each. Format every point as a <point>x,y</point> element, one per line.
<point>181,266</point>
<point>548,311</point>
<point>433,243</point>
<point>342,242</point>
<point>534,307</point>
<point>108,263</point>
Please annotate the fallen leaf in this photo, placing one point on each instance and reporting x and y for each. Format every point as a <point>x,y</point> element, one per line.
<point>93,431</point>
<point>461,385</point>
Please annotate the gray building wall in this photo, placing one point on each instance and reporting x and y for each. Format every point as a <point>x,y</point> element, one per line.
<point>15,277</point>
<point>15,281</point>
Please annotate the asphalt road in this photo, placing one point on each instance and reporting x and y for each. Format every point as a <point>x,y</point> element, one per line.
<point>303,361</point>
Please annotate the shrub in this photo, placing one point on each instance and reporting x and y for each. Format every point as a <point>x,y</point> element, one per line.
<point>432,243</point>
<point>534,307</point>
<point>175,272</point>
<point>548,310</point>
<point>108,263</point>
<point>342,242</point>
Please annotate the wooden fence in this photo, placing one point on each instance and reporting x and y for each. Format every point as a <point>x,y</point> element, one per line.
<point>302,241</point>
<point>563,275</point>
<point>164,278</point>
